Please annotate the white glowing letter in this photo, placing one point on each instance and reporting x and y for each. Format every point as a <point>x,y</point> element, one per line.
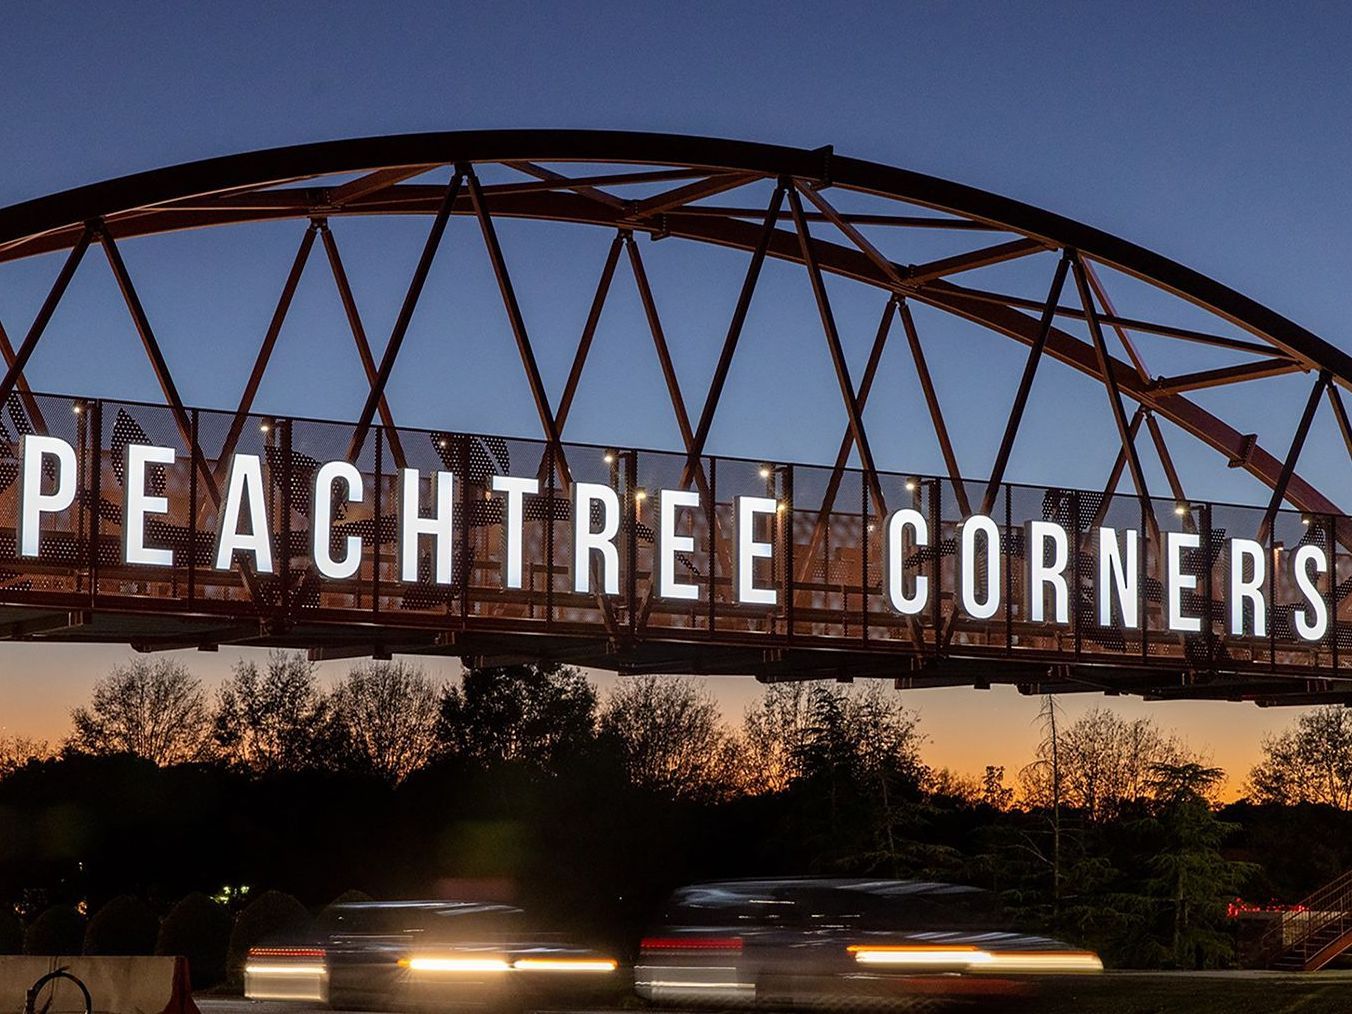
<point>321,519</point>
<point>1115,574</point>
<point>894,560</point>
<point>244,481</point>
<point>669,543</point>
<point>140,503</point>
<point>33,502</point>
<point>514,522</point>
<point>586,541</point>
<point>1176,582</point>
<point>1245,554</point>
<point>441,526</point>
<point>1041,573</point>
<point>748,550</point>
<point>979,524</point>
<point>1312,619</point>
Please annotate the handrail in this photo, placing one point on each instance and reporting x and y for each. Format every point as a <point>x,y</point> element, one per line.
<point>1295,931</point>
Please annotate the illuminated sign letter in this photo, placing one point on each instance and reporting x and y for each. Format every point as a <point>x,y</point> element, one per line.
<point>1311,620</point>
<point>1037,534</point>
<point>140,503</point>
<point>586,541</point>
<point>1245,554</point>
<point>979,524</point>
<point>1116,574</point>
<point>669,543</point>
<point>321,520</point>
<point>412,525</point>
<point>33,501</point>
<point>748,550</point>
<point>244,481</point>
<point>514,521</point>
<point>1175,581</point>
<point>894,560</point>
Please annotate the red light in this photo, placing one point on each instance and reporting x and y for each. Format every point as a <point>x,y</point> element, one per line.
<point>691,943</point>
<point>309,953</point>
<point>1240,907</point>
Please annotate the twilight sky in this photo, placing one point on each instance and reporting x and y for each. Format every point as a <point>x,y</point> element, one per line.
<point>1215,134</point>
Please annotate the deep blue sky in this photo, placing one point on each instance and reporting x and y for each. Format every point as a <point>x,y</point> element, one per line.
<point>1216,134</point>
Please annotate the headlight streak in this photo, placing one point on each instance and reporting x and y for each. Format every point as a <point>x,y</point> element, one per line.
<point>565,965</point>
<point>446,964</point>
<point>423,963</point>
<point>976,959</point>
<point>285,970</point>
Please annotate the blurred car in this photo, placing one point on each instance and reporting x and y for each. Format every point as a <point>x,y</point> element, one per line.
<point>414,954</point>
<point>821,941</point>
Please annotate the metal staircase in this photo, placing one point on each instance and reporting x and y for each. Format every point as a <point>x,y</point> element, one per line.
<point>1314,932</point>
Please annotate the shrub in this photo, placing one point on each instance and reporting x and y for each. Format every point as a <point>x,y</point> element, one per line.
<point>122,926</point>
<point>57,931</point>
<point>11,934</point>
<point>197,929</point>
<point>272,917</point>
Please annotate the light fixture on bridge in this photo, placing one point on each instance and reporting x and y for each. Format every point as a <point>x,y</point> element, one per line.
<point>1305,520</point>
<point>765,471</point>
<point>608,457</point>
<point>912,484</point>
<point>1182,509</point>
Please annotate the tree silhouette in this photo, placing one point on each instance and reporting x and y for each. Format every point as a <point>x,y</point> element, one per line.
<point>385,716</point>
<point>156,710</point>
<point>1189,872</point>
<point>669,736</point>
<point>273,718</point>
<point>1311,763</point>
<point>1103,761</point>
<point>538,714</point>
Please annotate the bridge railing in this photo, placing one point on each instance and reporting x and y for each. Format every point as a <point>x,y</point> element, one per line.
<point>827,565</point>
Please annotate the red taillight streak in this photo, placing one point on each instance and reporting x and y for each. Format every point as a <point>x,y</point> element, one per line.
<point>691,943</point>
<point>286,952</point>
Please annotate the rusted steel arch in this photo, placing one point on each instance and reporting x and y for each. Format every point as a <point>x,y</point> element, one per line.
<point>235,189</point>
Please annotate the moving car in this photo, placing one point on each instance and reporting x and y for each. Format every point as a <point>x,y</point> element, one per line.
<point>413,954</point>
<point>816,941</point>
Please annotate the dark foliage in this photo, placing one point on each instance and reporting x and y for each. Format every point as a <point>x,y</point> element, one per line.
<point>58,931</point>
<point>11,934</point>
<point>198,929</point>
<point>125,925</point>
<point>272,917</point>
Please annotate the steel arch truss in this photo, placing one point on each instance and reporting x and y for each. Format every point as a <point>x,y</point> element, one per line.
<point>824,214</point>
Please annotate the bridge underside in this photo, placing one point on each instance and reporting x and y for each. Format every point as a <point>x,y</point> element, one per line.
<point>907,670</point>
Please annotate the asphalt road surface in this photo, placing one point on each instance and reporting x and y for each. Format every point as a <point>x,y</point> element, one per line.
<point>1109,993</point>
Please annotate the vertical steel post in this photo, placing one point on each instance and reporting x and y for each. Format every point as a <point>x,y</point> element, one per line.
<point>193,455</point>
<point>288,477</point>
<point>379,526</point>
<point>551,514</point>
<point>96,494</point>
<point>1076,565</point>
<point>1207,583</point>
<point>1006,558</point>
